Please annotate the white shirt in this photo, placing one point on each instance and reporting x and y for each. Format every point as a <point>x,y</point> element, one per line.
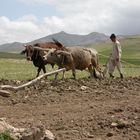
<point>116,50</point>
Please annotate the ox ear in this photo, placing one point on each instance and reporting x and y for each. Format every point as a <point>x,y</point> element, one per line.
<point>23,52</point>
<point>24,45</point>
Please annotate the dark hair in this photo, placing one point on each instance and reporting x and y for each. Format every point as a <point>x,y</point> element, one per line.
<point>112,36</point>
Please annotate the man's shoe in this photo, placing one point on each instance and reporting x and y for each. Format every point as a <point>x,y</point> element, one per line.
<point>111,76</point>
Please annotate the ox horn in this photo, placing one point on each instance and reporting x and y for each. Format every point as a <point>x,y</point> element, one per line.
<point>24,45</point>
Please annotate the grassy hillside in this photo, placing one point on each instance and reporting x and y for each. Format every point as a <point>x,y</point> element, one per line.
<point>130,48</point>
<point>11,55</point>
<point>20,69</point>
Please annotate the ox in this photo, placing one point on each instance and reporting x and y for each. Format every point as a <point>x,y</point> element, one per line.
<point>35,53</point>
<point>73,58</point>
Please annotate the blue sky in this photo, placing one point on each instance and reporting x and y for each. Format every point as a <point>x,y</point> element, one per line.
<point>14,9</point>
<point>27,20</point>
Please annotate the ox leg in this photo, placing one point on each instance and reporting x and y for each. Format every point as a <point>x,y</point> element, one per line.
<point>38,71</point>
<point>74,73</point>
<point>94,73</point>
<point>63,76</point>
<point>56,75</point>
<point>44,69</point>
<point>90,70</point>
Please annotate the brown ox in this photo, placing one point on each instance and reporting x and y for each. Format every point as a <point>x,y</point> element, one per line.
<point>74,58</point>
<point>34,53</point>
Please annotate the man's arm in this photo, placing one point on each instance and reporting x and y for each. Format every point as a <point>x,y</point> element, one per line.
<point>117,48</point>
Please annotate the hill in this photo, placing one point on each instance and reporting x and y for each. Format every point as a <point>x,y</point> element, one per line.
<point>74,39</point>
<point>11,47</point>
<point>64,38</point>
<point>130,45</point>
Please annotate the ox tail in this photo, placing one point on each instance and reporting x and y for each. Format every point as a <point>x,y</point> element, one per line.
<point>23,52</point>
<point>95,74</point>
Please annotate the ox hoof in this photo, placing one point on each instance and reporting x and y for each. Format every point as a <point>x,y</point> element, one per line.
<point>72,78</point>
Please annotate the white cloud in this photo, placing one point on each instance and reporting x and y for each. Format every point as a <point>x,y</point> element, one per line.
<point>30,18</point>
<point>18,30</point>
<point>78,16</point>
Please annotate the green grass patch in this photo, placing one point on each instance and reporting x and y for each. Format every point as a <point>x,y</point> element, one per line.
<point>11,55</point>
<point>14,69</point>
<point>5,136</point>
<point>20,69</point>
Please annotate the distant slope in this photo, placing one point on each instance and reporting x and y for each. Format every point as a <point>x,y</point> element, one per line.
<point>11,55</point>
<point>64,38</point>
<point>11,47</point>
<point>130,47</point>
<point>130,50</point>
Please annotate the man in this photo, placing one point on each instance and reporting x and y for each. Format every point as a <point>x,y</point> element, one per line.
<point>115,57</point>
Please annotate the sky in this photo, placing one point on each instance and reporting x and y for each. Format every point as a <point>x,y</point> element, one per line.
<point>27,20</point>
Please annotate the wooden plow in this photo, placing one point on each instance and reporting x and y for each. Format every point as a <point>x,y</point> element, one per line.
<point>4,88</point>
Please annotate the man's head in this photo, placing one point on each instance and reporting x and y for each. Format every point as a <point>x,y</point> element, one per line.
<point>113,37</point>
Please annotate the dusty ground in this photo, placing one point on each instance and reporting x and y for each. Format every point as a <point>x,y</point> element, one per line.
<point>84,109</point>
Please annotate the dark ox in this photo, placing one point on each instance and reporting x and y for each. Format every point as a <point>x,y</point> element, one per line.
<point>35,52</point>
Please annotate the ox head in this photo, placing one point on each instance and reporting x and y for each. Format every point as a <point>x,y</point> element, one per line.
<point>49,54</point>
<point>28,51</point>
<point>56,56</point>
